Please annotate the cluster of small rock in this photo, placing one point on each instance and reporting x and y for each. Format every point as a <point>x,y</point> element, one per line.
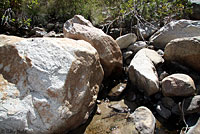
<point>166,69</point>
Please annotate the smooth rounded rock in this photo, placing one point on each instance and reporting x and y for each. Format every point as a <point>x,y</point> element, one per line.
<point>178,85</point>
<point>185,51</point>
<point>173,30</point>
<point>144,120</point>
<point>142,71</point>
<point>109,52</point>
<point>125,40</point>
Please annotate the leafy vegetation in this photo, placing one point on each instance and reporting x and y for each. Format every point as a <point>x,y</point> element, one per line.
<point>26,13</point>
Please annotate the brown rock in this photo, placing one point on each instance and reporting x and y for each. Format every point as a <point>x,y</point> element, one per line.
<point>185,51</point>
<point>110,54</point>
<point>178,85</point>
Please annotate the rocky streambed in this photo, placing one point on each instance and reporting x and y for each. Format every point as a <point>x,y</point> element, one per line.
<point>90,83</point>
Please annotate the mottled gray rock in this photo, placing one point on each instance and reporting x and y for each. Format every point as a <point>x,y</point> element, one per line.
<point>38,32</point>
<point>109,52</point>
<point>135,47</point>
<point>142,71</point>
<point>144,120</point>
<point>173,30</point>
<point>185,51</point>
<point>125,40</point>
<point>48,85</point>
<point>178,85</point>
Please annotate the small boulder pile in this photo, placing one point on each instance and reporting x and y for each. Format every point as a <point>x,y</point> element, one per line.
<point>165,71</point>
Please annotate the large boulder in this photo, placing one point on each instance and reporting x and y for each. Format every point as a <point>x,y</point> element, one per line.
<point>142,71</point>
<point>185,51</point>
<point>178,85</point>
<point>125,40</point>
<point>144,120</point>
<point>173,30</point>
<point>110,54</point>
<point>47,86</point>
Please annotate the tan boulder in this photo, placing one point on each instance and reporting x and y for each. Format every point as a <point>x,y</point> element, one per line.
<point>125,40</point>
<point>185,51</point>
<point>142,71</point>
<point>48,85</point>
<point>110,54</point>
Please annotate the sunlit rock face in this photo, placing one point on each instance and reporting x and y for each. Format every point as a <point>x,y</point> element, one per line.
<point>47,85</point>
<point>109,52</point>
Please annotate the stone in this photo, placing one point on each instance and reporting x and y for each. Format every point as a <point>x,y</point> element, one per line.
<point>98,111</point>
<point>163,75</point>
<point>125,40</point>
<point>110,54</point>
<point>162,111</point>
<point>135,47</point>
<point>144,120</point>
<point>37,32</point>
<point>173,30</point>
<point>119,106</point>
<point>195,129</point>
<point>192,105</point>
<point>50,34</point>
<point>142,71</point>
<point>48,85</point>
<point>127,54</point>
<point>117,90</point>
<point>185,51</point>
<point>168,102</point>
<point>178,85</point>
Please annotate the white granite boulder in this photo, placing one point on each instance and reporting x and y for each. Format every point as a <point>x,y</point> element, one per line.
<point>48,86</point>
<point>142,71</point>
<point>173,30</point>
